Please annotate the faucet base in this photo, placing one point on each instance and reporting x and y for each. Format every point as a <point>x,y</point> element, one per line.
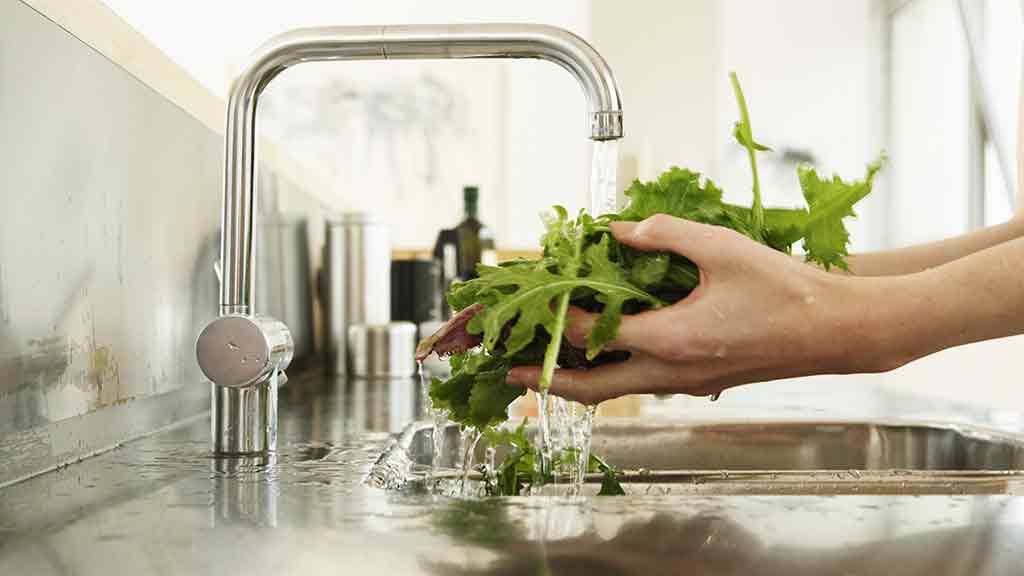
<point>243,421</point>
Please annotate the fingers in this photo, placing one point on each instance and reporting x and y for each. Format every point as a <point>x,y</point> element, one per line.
<point>594,385</point>
<point>634,333</point>
<point>578,326</point>
<point>701,243</point>
<point>611,381</point>
<point>583,386</point>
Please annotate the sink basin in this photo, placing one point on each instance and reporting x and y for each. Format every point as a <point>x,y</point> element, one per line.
<point>812,457</point>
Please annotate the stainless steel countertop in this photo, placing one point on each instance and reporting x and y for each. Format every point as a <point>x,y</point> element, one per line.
<point>162,505</point>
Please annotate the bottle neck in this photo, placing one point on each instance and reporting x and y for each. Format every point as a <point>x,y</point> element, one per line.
<point>470,197</point>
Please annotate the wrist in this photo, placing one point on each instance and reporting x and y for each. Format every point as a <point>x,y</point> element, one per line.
<point>1016,224</point>
<point>878,322</point>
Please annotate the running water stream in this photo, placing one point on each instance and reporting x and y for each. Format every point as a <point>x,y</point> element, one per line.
<point>440,421</point>
<point>469,438</point>
<point>564,427</point>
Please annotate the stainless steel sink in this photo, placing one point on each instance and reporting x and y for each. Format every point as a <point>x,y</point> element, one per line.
<point>805,457</point>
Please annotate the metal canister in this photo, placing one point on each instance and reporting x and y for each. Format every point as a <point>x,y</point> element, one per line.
<point>382,350</point>
<point>355,283</point>
<point>383,391</point>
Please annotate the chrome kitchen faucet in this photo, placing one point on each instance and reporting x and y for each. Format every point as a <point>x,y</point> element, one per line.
<point>244,354</point>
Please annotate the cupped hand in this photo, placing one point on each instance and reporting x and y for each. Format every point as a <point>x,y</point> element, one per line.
<point>757,315</point>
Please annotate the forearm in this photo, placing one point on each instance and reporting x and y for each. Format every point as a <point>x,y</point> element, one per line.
<point>918,258</point>
<point>895,320</point>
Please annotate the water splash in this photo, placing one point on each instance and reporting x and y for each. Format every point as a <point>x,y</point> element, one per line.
<point>542,465</point>
<point>583,434</point>
<point>490,471</point>
<point>561,438</point>
<point>470,438</point>
<point>440,422</point>
<point>565,428</point>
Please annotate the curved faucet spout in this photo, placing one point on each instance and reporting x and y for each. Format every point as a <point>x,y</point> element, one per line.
<point>380,43</point>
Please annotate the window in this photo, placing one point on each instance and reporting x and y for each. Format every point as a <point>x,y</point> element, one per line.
<point>954,73</point>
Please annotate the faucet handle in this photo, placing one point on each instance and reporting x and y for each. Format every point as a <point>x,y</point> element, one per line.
<point>238,351</point>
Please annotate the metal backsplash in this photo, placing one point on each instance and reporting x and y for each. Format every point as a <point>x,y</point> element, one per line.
<point>109,200</point>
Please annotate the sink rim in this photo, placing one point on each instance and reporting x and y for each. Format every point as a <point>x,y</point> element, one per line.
<point>724,480</point>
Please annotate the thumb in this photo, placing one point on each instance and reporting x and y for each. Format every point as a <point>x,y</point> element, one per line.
<point>701,243</point>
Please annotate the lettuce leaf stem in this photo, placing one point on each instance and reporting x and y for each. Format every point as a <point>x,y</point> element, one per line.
<point>555,346</point>
<point>744,134</point>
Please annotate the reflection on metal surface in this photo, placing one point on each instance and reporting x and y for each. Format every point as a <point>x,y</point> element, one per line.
<point>239,351</point>
<point>245,358</point>
<point>109,205</point>
<point>244,490</point>
<point>780,457</point>
<point>243,420</point>
<point>380,404</point>
<point>559,540</point>
<point>161,505</point>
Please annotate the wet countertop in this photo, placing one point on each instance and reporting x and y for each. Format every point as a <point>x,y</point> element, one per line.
<point>162,505</point>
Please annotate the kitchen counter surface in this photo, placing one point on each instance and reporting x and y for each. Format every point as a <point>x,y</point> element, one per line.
<point>162,505</point>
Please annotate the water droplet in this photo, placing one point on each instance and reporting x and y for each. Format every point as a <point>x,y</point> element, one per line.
<point>233,347</point>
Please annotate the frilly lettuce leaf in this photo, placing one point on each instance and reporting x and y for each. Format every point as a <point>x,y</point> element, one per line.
<point>476,393</point>
<point>825,238</point>
<point>520,298</point>
<point>582,265</point>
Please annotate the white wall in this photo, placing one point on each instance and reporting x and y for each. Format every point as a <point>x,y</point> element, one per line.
<point>515,129</point>
<point>929,147</point>
<point>519,128</point>
<point>812,73</point>
<point>666,59</point>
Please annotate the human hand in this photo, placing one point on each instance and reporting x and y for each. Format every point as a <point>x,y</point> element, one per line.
<point>757,315</point>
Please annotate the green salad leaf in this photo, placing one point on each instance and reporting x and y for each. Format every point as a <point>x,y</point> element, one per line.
<point>524,302</point>
<point>476,393</point>
<point>610,485</point>
<point>825,238</point>
<point>517,470</point>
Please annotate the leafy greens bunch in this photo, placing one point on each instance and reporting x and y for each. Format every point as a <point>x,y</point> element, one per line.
<point>519,467</point>
<point>525,301</point>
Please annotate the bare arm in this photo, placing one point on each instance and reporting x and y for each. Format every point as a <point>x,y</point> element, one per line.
<point>759,315</point>
<point>975,298</point>
<point>924,256</point>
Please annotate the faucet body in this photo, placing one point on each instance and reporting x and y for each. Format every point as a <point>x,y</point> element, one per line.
<point>240,351</point>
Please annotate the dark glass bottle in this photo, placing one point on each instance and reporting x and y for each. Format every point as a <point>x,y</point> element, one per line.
<point>476,240</point>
